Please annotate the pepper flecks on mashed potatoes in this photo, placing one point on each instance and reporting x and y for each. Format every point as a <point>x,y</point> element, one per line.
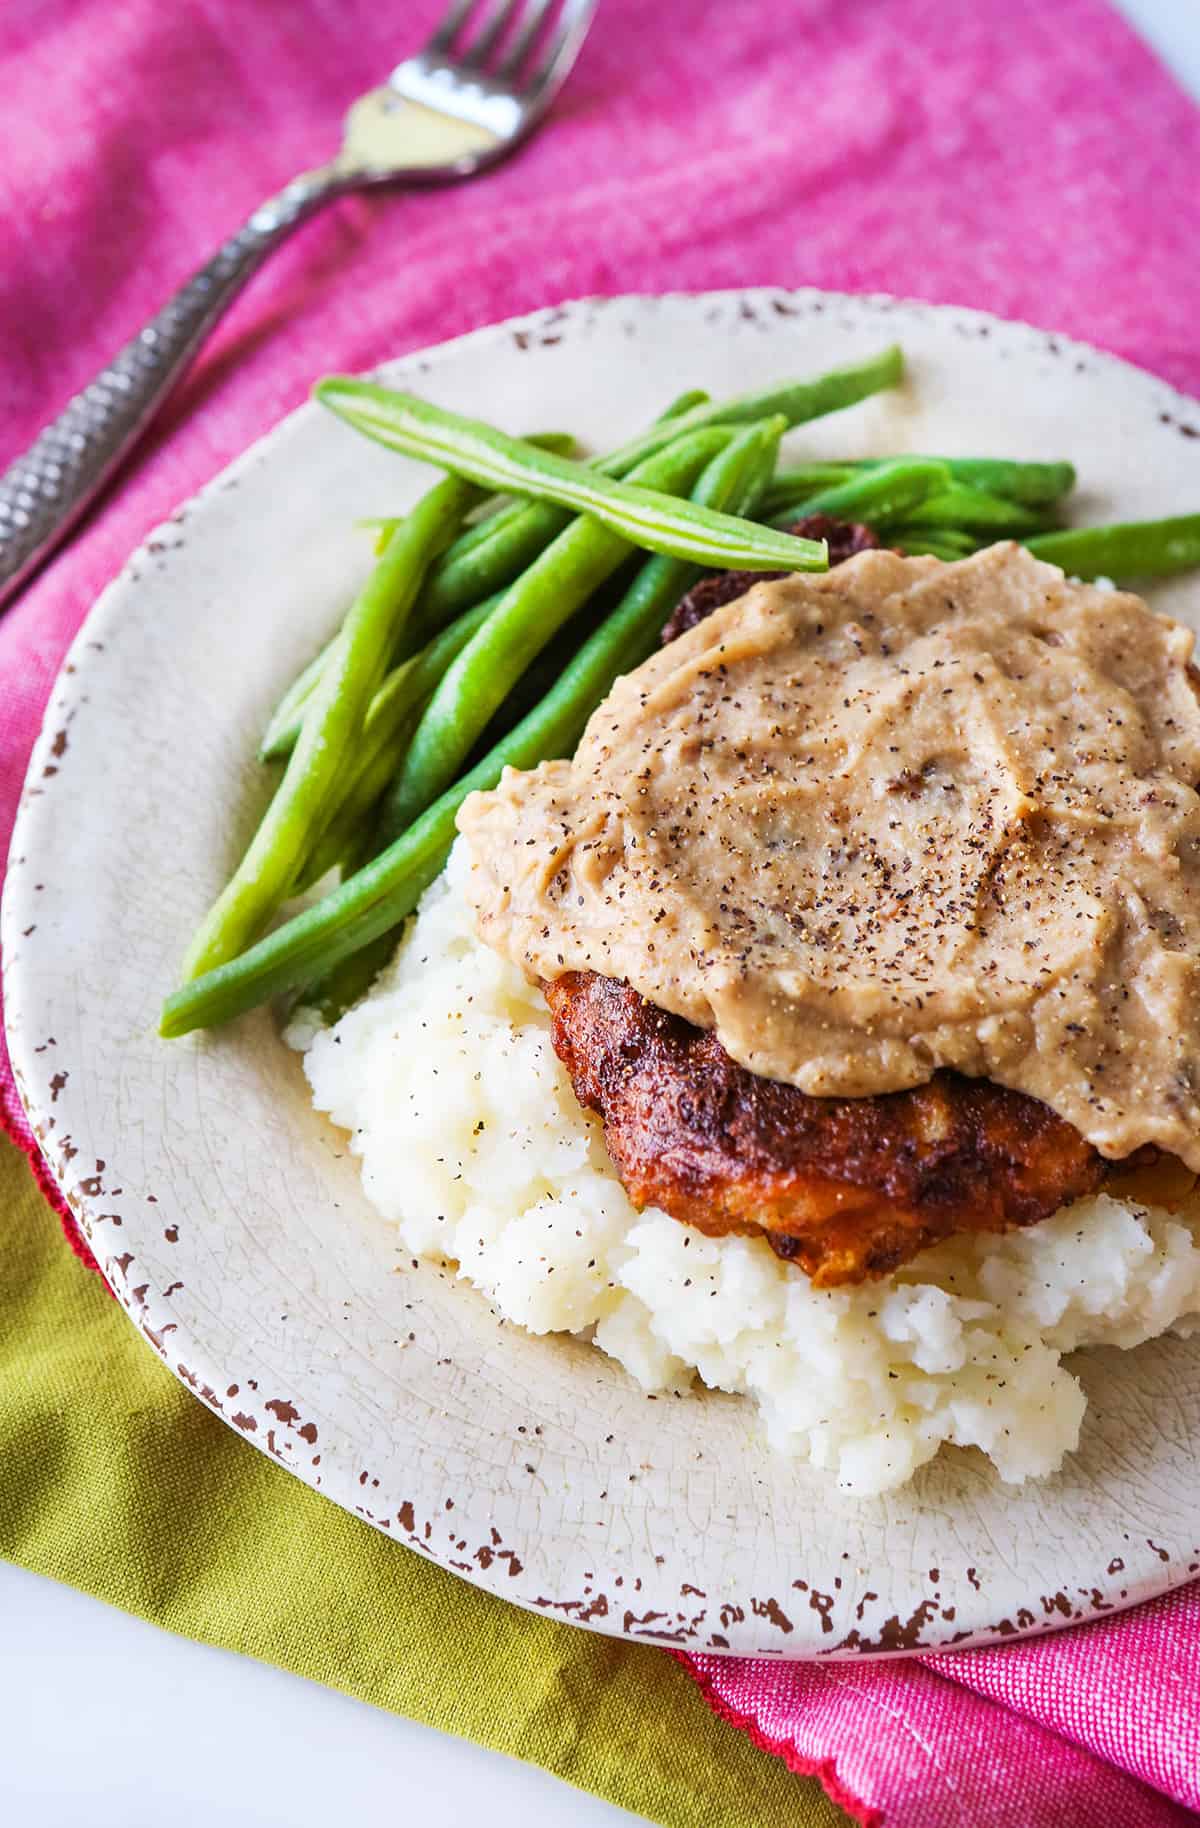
<point>480,1148</point>
<point>474,1146</point>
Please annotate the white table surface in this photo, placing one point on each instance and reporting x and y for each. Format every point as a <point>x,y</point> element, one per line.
<point>158,1739</point>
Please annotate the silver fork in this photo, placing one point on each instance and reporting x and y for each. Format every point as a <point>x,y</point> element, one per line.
<point>480,86</point>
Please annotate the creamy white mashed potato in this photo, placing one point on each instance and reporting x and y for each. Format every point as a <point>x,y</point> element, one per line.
<point>473,1144</point>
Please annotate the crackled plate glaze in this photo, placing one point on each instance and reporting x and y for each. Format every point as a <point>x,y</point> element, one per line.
<point>229,1218</point>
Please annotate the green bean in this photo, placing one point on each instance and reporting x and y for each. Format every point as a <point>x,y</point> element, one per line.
<point>310,945</point>
<point>451,587</point>
<point>475,566</point>
<point>889,492</point>
<point>344,831</point>
<point>490,554</point>
<point>938,540</point>
<point>332,723</point>
<point>480,522</point>
<point>797,401</point>
<point>530,612</point>
<point>663,579</point>
<point>799,481</point>
<point>279,738</point>
<point>645,517</point>
<point>989,486</point>
<point>398,703</point>
<point>1037,484</point>
<point>758,478</point>
<point>281,734</point>
<point>342,987</point>
<point>976,511</point>
<point>667,579</point>
<point>481,530</point>
<point>540,524</point>
<point>412,680</point>
<point>387,728</point>
<point>932,545</point>
<point>559,651</point>
<point>1127,549</point>
<point>366,907</point>
<point>364,910</point>
<point>486,558</point>
<point>684,402</point>
<point>735,478</point>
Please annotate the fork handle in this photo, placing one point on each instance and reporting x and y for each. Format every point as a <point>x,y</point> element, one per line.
<point>45,491</point>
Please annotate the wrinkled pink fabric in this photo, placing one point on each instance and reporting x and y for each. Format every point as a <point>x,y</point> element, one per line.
<point>1029,158</point>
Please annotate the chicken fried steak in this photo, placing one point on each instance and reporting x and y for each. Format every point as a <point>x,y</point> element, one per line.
<point>847,1187</point>
<point>868,908</point>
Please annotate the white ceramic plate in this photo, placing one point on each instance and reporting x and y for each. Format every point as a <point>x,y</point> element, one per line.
<point>230,1221</point>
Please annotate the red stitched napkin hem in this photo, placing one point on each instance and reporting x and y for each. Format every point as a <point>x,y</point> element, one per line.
<point>824,1769</point>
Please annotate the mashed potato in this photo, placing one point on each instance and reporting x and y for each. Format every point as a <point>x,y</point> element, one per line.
<point>473,1145</point>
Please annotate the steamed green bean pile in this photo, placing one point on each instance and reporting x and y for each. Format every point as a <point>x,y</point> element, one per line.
<point>525,577</point>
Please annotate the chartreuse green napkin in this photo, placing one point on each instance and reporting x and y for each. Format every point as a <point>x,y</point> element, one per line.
<point>117,1481</point>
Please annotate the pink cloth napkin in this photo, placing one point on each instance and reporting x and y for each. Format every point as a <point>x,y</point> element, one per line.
<point>1032,159</point>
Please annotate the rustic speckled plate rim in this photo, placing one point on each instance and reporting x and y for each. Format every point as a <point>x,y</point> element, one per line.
<point>781,1605</point>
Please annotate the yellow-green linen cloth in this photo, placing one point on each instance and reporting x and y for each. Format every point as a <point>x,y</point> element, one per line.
<point>117,1481</point>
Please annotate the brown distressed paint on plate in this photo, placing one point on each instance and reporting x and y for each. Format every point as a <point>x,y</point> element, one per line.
<point>226,1214</point>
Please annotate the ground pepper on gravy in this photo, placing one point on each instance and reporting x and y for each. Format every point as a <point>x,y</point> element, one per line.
<point>900,816</point>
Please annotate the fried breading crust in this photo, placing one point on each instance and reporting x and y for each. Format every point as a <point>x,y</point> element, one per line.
<point>849,1188</point>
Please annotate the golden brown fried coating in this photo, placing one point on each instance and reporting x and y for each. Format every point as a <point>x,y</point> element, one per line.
<point>849,1188</point>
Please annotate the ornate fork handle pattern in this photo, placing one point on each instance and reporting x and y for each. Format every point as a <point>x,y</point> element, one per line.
<point>51,484</point>
<point>450,110</point>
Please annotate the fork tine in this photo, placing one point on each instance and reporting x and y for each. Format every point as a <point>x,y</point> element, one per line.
<point>534,18</point>
<point>564,47</point>
<point>485,41</point>
<point>454,18</point>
